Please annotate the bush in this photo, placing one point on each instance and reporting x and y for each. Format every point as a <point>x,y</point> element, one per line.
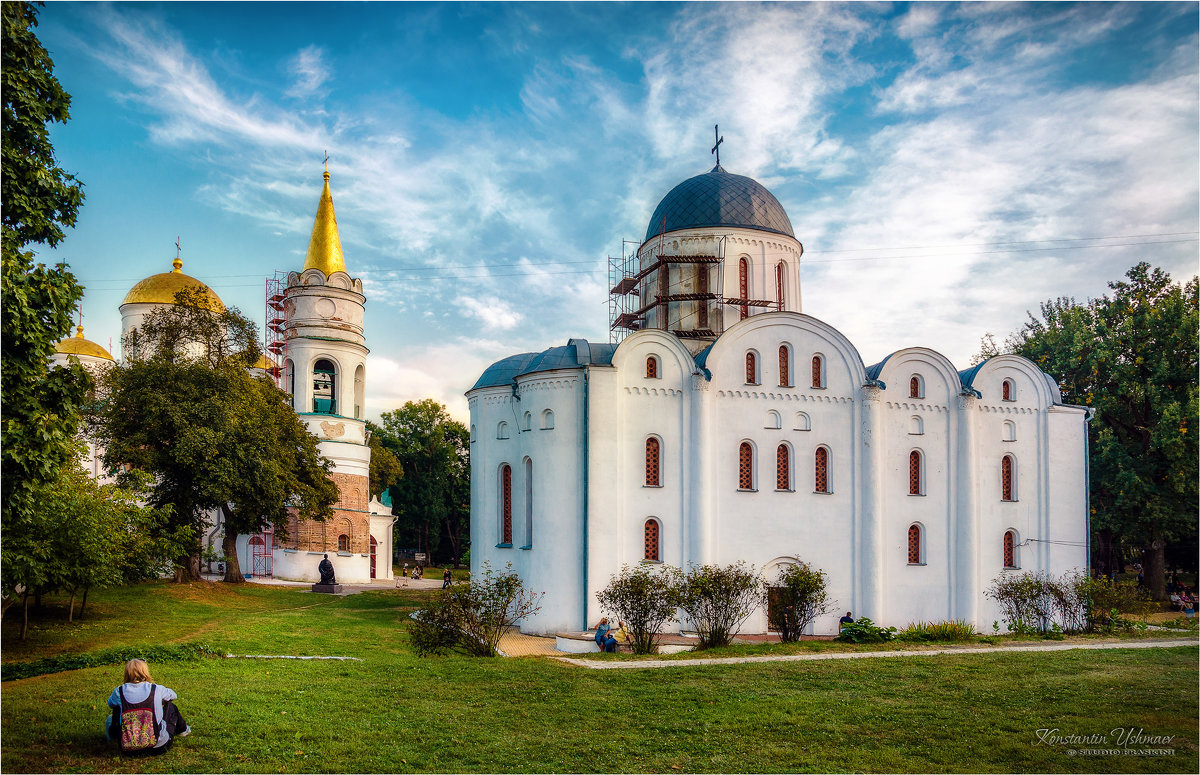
<point>644,599</point>
<point>1038,603</point>
<point>119,655</point>
<point>717,597</point>
<point>937,632</point>
<point>1104,600</point>
<point>797,597</point>
<point>472,617</point>
<point>865,631</point>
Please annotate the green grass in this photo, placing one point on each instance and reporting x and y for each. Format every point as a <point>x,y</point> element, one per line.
<point>396,712</point>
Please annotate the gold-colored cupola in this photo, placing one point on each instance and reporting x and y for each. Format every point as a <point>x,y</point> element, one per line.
<point>325,246</point>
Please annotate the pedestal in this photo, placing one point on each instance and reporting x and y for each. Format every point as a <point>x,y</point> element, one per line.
<point>331,589</point>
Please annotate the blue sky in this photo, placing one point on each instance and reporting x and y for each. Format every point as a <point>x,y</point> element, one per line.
<point>946,166</point>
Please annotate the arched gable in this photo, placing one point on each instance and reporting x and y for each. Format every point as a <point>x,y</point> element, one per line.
<point>675,363</point>
<point>1033,386</point>
<point>940,379</point>
<point>806,335</point>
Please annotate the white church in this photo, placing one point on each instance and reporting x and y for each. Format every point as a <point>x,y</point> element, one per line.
<point>317,353</point>
<point>728,425</point>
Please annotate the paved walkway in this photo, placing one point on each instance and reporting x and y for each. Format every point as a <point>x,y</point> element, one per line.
<point>595,664</point>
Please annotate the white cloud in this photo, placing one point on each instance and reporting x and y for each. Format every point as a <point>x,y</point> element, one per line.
<point>494,313</point>
<point>309,71</point>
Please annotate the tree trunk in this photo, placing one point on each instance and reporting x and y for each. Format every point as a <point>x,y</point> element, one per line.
<point>233,571</point>
<point>83,603</point>
<point>71,606</point>
<point>190,571</point>
<point>1153,566</point>
<point>25,613</point>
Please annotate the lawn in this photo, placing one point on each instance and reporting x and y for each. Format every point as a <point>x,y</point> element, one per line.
<point>395,712</point>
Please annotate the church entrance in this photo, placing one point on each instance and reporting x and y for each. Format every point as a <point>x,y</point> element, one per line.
<point>260,554</point>
<point>373,545</point>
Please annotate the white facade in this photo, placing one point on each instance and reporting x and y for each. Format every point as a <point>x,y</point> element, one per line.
<point>572,426</point>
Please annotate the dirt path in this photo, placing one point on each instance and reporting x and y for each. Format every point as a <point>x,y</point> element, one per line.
<point>652,663</point>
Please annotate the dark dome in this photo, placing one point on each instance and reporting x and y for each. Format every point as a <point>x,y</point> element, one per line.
<point>718,198</point>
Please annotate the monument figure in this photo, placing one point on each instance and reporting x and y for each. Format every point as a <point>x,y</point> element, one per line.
<point>328,583</point>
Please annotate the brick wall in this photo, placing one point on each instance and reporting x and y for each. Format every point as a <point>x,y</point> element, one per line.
<point>312,536</point>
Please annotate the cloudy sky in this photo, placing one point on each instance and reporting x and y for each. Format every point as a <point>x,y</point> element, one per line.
<point>947,167</point>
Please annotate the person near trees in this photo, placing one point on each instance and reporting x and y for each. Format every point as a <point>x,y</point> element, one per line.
<point>144,716</point>
<point>844,621</point>
<point>604,638</point>
<point>446,579</point>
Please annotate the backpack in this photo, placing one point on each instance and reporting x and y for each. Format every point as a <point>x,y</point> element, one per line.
<point>139,732</point>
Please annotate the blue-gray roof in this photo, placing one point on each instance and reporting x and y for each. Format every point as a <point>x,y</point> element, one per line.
<point>575,354</point>
<point>718,198</point>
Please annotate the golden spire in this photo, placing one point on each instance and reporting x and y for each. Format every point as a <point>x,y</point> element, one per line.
<point>325,246</point>
<point>79,331</point>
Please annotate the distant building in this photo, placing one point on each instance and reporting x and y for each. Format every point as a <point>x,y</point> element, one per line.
<point>731,426</point>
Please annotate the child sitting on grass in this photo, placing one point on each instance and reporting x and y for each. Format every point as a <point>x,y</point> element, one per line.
<point>144,716</point>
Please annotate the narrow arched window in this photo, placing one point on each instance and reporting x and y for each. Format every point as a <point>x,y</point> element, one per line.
<point>914,473</point>
<point>1006,390</point>
<point>502,430</point>
<point>915,388</point>
<point>802,422</point>
<point>359,386</point>
<point>818,372</point>
<point>1010,430</point>
<point>343,543</point>
<point>1010,549</point>
<point>744,286</point>
<point>774,420</point>
<point>528,502</point>
<point>914,545</point>
<point>652,367</point>
<point>548,420</point>
<point>527,422</point>
<point>651,541</point>
<point>324,393</point>
<point>746,466</point>
<point>653,462</point>
<point>506,504</point>
<point>916,426</point>
<point>779,277</point>
<point>751,368</point>
<point>783,468</point>
<point>1007,475</point>
<point>785,366</point>
<point>821,470</point>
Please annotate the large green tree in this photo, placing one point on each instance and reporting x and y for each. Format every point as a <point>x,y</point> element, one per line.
<point>39,200</point>
<point>1132,357</point>
<point>187,410</point>
<point>433,499</point>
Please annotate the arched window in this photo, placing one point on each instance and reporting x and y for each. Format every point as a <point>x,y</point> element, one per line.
<point>779,278</point>
<point>548,420</point>
<point>802,422</point>
<point>1008,476</point>
<point>502,430</point>
<point>324,395</point>
<point>359,385</point>
<point>1010,549</point>
<point>1007,391</point>
<point>744,286</point>
<point>651,541</point>
<point>746,466</point>
<point>506,504</point>
<point>528,502</point>
<point>343,543</point>
<point>653,462</point>
<point>783,468</point>
<point>1009,431</point>
<point>472,433</point>
<point>914,474</point>
<point>289,379</point>
<point>652,367</point>
<point>785,366</point>
<point>818,371</point>
<point>915,555</point>
<point>916,389</point>
<point>916,426</point>
<point>821,470</point>
<point>774,421</point>
<point>751,367</point>
<point>527,421</point>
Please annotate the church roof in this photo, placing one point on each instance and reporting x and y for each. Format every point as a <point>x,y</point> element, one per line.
<point>575,354</point>
<point>77,345</point>
<point>325,245</point>
<point>161,288</point>
<point>719,198</point>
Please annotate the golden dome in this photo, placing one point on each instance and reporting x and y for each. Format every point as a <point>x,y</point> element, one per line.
<point>161,289</point>
<point>325,246</point>
<point>77,345</point>
<point>263,363</point>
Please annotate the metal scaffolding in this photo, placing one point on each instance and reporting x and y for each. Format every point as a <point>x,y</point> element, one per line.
<point>276,318</point>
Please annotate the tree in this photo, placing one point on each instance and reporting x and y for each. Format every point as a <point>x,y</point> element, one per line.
<point>472,617</point>
<point>717,598</point>
<point>432,500</point>
<point>800,594</point>
<point>1133,358</point>
<point>41,405</point>
<point>187,411</point>
<point>386,469</point>
<point>644,599</point>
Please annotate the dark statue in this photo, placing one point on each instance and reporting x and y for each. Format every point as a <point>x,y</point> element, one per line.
<point>326,571</point>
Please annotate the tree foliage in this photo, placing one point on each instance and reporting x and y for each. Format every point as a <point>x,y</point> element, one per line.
<point>1132,357</point>
<point>189,412</point>
<point>801,594</point>
<point>472,617</point>
<point>644,598</point>
<point>716,598</point>
<point>41,405</point>
<point>433,499</point>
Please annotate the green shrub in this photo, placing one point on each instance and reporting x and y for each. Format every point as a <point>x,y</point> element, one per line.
<point>115,656</point>
<point>865,631</point>
<point>717,598</point>
<point>645,599</point>
<point>797,597</point>
<point>1104,600</point>
<point>937,632</point>
<point>472,617</point>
